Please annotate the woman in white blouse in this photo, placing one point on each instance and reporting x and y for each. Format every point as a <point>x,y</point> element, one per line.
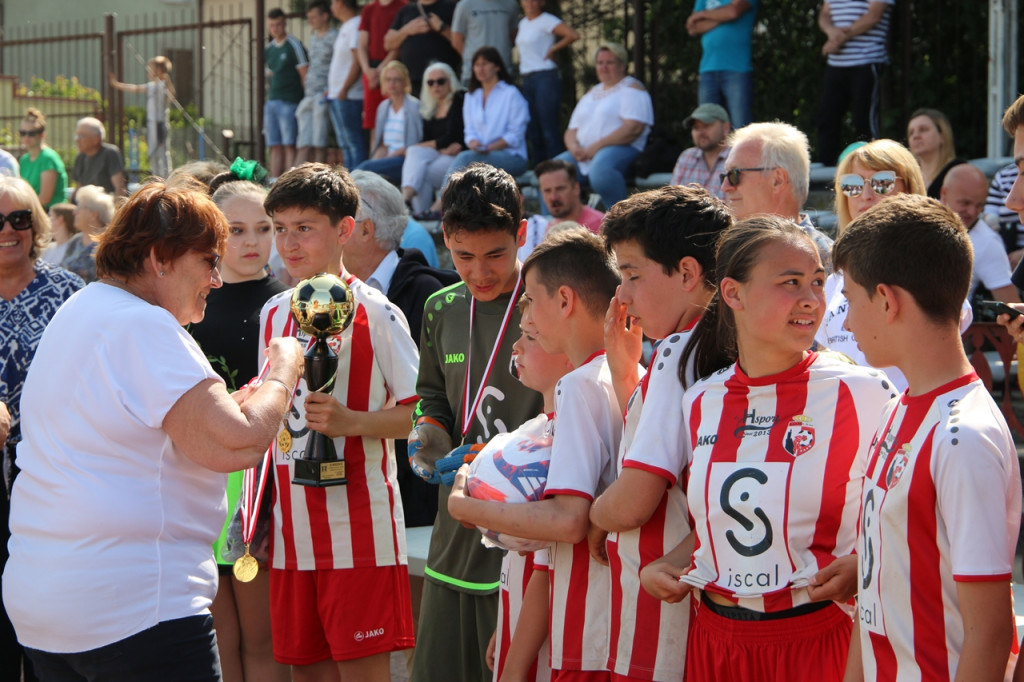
<point>495,116</point>
<point>609,125</point>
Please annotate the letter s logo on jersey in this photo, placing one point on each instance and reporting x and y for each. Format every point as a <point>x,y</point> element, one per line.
<point>742,477</point>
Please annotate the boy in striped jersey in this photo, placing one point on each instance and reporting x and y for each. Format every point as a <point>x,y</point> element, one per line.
<point>941,499</point>
<point>664,245</point>
<point>569,281</point>
<point>339,583</point>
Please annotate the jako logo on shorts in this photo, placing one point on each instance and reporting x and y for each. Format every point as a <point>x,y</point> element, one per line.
<point>360,635</point>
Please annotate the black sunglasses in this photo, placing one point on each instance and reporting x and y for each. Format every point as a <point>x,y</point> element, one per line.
<point>30,133</point>
<point>440,81</point>
<point>734,175</point>
<point>19,220</point>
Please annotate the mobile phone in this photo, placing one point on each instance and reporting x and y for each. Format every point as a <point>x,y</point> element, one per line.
<point>423,12</point>
<point>999,308</point>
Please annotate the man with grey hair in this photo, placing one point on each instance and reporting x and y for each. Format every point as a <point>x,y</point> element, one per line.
<point>98,162</point>
<point>373,255</point>
<point>768,171</point>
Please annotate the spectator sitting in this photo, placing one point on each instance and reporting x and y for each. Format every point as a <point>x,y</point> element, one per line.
<point>41,166</point>
<point>92,215</point>
<point>495,116</point>
<point>484,23</point>
<point>373,254</point>
<point>422,34</point>
<point>930,139</point>
<point>398,125</point>
<point>426,163</point>
<point>62,228</point>
<point>313,115</point>
<point>768,170</point>
<point>1010,228</point>
<point>98,162</point>
<point>964,191</point>
<point>704,162</point>
<point>609,125</point>
<point>561,192</point>
<point>9,165</point>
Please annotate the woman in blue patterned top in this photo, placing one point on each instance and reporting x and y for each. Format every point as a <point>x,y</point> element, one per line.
<point>31,290</point>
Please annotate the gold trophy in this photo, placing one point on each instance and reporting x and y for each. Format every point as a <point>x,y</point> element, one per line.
<point>322,307</point>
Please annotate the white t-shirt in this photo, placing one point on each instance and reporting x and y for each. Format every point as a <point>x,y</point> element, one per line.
<point>588,427</point>
<point>111,525</point>
<point>941,506</point>
<point>602,110</point>
<point>775,471</point>
<point>991,264</point>
<point>533,40</point>
<point>341,61</point>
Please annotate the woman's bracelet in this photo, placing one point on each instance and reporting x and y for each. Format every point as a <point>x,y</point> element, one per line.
<point>288,389</point>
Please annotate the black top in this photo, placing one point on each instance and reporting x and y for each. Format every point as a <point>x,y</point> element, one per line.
<point>230,331</point>
<point>419,51</point>
<point>99,168</point>
<point>448,129</point>
<point>936,187</point>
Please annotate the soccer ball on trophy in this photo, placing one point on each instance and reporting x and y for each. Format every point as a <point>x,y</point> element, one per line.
<point>322,306</point>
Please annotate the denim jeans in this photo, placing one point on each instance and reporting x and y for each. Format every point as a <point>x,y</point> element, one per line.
<point>180,650</point>
<point>607,172</point>
<point>512,164</point>
<point>279,125</point>
<point>543,93</point>
<point>347,117</point>
<point>389,167</point>
<point>730,89</point>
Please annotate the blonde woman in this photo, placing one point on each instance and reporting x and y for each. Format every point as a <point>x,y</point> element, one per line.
<point>930,138</point>
<point>426,163</point>
<point>398,125</point>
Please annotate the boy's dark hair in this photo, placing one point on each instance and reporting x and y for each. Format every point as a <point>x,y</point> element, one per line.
<point>555,165</point>
<point>915,243</point>
<point>576,258</point>
<point>1013,118</point>
<point>321,5</point>
<point>275,13</point>
<point>317,186</point>
<point>670,224</point>
<point>481,198</point>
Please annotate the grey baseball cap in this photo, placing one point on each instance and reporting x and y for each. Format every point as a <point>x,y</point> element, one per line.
<point>706,113</point>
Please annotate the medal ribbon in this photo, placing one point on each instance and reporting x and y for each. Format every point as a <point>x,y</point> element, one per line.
<point>469,408</point>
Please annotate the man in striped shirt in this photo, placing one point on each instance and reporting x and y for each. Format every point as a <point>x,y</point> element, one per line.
<point>856,32</point>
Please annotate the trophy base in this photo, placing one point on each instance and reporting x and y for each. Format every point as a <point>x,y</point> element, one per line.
<point>319,474</point>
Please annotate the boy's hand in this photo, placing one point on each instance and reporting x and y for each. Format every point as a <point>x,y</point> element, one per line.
<point>596,538</point>
<point>489,656</point>
<point>458,495</point>
<point>449,464</point>
<point>661,580</point>
<point>623,339</point>
<point>837,581</point>
<point>428,443</point>
<point>329,417</point>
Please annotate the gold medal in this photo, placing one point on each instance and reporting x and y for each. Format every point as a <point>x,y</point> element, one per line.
<point>246,566</point>
<point>284,440</point>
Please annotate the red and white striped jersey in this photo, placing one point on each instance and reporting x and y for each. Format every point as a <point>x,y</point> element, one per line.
<point>648,636</point>
<point>516,571</point>
<point>941,505</point>
<point>358,525</point>
<point>776,468</point>
<point>588,426</point>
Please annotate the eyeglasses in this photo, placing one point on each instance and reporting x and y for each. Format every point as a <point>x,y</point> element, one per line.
<point>30,133</point>
<point>213,260</point>
<point>734,175</point>
<point>439,81</point>
<point>882,183</point>
<point>19,220</point>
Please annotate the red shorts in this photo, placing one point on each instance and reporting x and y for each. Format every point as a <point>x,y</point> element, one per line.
<point>343,614</point>
<point>806,648</point>
<point>580,676</point>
